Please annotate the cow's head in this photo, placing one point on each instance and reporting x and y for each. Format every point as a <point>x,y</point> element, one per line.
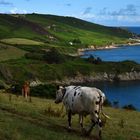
<point>60,94</point>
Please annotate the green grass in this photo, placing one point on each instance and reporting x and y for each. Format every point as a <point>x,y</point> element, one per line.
<point>24,69</point>
<point>20,41</point>
<point>9,52</point>
<point>68,28</point>
<point>42,119</point>
<point>13,27</point>
<point>40,28</point>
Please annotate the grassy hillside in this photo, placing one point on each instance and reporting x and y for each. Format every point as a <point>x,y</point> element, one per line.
<point>11,26</point>
<point>21,41</point>
<point>9,52</point>
<point>69,28</point>
<point>42,119</point>
<point>28,42</point>
<point>59,30</point>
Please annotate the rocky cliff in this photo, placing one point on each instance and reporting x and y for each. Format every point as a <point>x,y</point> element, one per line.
<point>128,76</point>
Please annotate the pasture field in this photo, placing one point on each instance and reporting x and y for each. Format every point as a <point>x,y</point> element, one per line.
<point>20,41</point>
<point>42,119</point>
<point>9,52</point>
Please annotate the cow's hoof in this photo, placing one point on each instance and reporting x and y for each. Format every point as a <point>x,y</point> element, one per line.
<point>83,131</point>
<point>69,129</point>
<point>87,133</point>
<point>100,135</point>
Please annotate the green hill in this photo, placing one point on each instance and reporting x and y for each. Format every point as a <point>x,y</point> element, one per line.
<point>69,28</point>
<point>44,46</point>
<point>59,30</point>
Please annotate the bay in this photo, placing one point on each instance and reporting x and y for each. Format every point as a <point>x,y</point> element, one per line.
<point>135,30</point>
<point>124,93</point>
<point>118,54</point>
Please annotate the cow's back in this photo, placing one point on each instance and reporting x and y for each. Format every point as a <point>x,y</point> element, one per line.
<point>81,100</point>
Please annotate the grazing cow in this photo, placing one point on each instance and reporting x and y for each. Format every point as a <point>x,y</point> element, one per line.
<point>26,89</point>
<point>82,101</point>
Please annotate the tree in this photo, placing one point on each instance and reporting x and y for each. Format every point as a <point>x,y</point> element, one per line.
<point>54,56</point>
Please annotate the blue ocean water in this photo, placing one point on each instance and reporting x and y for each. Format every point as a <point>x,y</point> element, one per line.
<point>117,54</point>
<point>134,29</point>
<point>124,93</point>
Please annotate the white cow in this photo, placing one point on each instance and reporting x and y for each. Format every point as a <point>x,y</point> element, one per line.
<point>82,101</point>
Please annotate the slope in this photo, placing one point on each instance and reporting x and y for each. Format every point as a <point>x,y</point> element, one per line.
<point>42,119</point>
<point>71,28</point>
<point>16,26</point>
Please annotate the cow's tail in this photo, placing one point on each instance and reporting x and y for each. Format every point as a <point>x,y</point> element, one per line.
<point>101,105</point>
<point>106,116</point>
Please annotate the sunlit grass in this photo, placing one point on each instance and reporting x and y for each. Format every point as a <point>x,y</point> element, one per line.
<point>10,52</point>
<point>20,41</point>
<point>43,119</point>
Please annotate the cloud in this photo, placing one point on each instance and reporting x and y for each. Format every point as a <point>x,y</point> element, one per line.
<point>87,10</point>
<point>129,10</point>
<point>128,14</point>
<point>68,4</point>
<point>3,2</point>
<point>103,11</point>
<point>18,11</point>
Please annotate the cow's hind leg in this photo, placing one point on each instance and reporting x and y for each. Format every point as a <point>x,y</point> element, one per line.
<point>69,119</point>
<point>93,123</point>
<point>99,123</point>
<point>81,120</point>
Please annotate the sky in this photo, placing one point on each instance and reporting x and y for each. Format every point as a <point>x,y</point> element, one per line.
<point>104,12</point>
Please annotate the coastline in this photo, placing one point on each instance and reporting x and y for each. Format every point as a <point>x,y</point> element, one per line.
<point>80,52</point>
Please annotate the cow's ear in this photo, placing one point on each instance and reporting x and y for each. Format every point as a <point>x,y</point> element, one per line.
<point>64,90</point>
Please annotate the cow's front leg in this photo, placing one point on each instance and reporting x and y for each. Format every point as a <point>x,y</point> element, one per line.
<point>81,121</point>
<point>69,119</point>
<point>83,130</point>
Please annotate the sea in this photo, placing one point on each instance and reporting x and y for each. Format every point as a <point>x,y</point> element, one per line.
<point>122,93</point>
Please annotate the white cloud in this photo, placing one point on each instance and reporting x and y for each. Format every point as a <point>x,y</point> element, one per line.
<point>18,11</point>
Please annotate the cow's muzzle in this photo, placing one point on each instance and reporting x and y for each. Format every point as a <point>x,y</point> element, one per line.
<point>57,102</point>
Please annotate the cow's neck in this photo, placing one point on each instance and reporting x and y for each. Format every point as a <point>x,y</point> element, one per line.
<point>64,92</point>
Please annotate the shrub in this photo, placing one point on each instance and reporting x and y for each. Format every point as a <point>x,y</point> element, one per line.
<point>76,41</point>
<point>91,59</point>
<point>107,103</point>
<point>94,60</point>
<point>53,56</point>
<point>15,89</point>
<point>129,107</point>
<point>36,56</point>
<point>47,91</point>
